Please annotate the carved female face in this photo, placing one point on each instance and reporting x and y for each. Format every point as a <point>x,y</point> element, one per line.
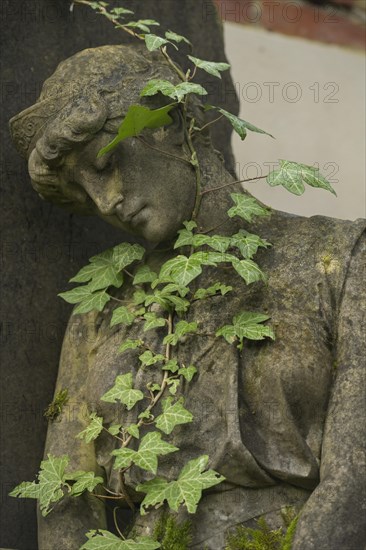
<point>141,190</point>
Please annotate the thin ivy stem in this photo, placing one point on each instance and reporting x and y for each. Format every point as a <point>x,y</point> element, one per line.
<point>116,523</point>
<point>162,151</point>
<point>211,122</point>
<point>180,73</point>
<point>231,183</point>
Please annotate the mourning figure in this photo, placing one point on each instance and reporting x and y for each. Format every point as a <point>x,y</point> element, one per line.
<point>282,421</point>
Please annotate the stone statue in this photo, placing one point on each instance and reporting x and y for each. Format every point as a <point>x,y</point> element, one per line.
<point>282,421</point>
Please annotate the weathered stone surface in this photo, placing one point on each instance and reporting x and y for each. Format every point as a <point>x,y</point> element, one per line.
<point>42,247</point>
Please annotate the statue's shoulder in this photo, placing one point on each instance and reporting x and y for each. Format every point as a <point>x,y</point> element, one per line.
<point>313,234</point>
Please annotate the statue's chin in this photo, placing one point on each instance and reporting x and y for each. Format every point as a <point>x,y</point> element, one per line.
<point>144,226</point>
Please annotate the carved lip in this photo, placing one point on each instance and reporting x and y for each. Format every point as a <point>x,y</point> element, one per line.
<point>129,217</point>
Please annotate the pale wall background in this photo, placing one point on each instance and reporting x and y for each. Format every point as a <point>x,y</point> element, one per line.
<point>325,125</point>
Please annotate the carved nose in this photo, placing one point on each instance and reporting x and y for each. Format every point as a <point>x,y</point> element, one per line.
<point>108,208</point>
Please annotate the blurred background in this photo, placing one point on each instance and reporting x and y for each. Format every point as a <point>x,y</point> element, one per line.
<point>299,70</point>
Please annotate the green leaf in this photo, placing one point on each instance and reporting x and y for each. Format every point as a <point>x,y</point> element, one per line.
<point>248,243</point>
<point>151,446</point>
<point>241,126</point>
<point>184,88</point>
<point>168,89</point>
<point>84,481</point>
<point>187,372</point>
<point>95,301</point>
<point>293,176</point>
<point>149,358</point>
<point>171,365</point>
<point>152,321</point>
<point>104,540</point>
<point>136,120</point>
<point>181,269</point>
<point>247,325</point>
<point>51,480</point>
<point>125,254</point>
<point>190,225</point>
<point>154,42</point>
<point>142,24</point>
<point>123,392</point>
<point>249,271</point>
<point>170,35</point>
<point>181,328</point>
<point>246,207</point>
<point>26,489</point>
<point>218,242</point>
<point>130,344</point>
<point>76,295</point>
<point>210,66</point>
<point>202,293</point>
<point>187,489</point>
<point>93,429</point>
<point>173,384</point>
<point>185,238</point>
<point>172,287</point>
<point>172,415</point>
<point>122,315</point>
<point>133,430</point>
<point>144,275</point>
<point>114,429</point>
<point>155,86</point>
<point>121,11</point>
<point>101,271</point>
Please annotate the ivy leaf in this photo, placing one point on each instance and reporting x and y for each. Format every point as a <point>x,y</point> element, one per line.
<point>248,243</point>
<point>181,328</point>
<point>172,287</point>
<point>173,384</point>
<point>246,207</point>
<point>171,365</point>
<point>26,489</point>
<point>209,66</point>
<point>154,42</point>
<point>168,89</point>
<point>104,540</point>
<point>248,270</point>
<point>101,271</point>
<point>123,392</point>
<point>141,24</point>
<point>114,429</point>
<point>95,301</point>
<point>187,372</point>
<point>156,85</point>
<point>125,254</point>
<point>92,431</point>
<point>190,225</point>
<point>144,275</point>
<point>239,125</point>
<point>202,293</point>
<point>185,238</point>
<point>137,118</point>
<point>170,35</point>
<point>246,325</point>
<point>133,430</point>
<point>181,269</point>
<point>151,446</point>
<point>121,11</point>
<point>152,321</point>
<point>130,344</point>
<point>76,295</point>
<point>292,176</point>
<point>122,315</point>
<point>184,88</point>
<point>172,415</point>
<point>186,489</point>
<point>84,481</point>
<point>190,484</point>
<point>217,242</point>
<point>149,358</point>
